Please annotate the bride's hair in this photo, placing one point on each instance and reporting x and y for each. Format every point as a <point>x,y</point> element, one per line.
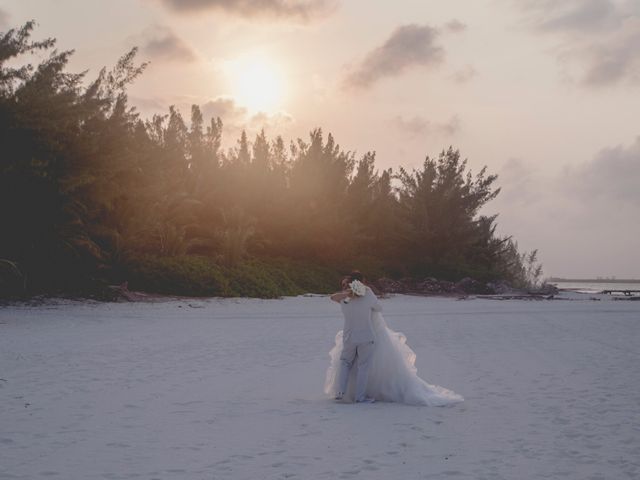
<point>356,275</point>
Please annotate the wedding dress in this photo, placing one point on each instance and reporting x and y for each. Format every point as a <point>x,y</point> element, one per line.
<point>392,375</point>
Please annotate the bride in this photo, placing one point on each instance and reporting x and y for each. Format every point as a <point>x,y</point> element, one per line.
<point>392,375</point>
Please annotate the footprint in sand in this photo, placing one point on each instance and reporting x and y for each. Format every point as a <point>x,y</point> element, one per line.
<point>369,465</point>
<point>186,404</point>
<point>351,472</point>
<point>242,457</point>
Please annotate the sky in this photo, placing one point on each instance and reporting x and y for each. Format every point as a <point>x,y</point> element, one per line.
<point>545,93</point>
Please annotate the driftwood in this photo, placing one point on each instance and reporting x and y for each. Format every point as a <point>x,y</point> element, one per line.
<point>122,293</point>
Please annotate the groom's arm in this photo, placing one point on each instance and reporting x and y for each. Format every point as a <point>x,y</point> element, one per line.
<point>339,296</point>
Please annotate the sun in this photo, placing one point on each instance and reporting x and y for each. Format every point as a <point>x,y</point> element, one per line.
<point>257,83</point>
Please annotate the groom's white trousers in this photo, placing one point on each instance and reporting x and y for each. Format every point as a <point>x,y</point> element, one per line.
<point>360,353</point>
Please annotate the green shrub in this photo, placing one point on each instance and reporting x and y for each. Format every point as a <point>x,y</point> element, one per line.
<point>192,275</point>
<point>181,275</point>
<point>309,278</point>
<point>255,280</point>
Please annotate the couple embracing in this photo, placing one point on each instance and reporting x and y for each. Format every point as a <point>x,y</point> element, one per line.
<point>370,361</point>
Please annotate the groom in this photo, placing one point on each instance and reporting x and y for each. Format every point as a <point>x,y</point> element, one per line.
<point>358,338</point>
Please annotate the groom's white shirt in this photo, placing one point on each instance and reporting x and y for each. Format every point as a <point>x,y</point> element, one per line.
<point>358,328</point>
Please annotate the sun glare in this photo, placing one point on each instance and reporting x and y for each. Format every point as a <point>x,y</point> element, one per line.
<point>257,84</point>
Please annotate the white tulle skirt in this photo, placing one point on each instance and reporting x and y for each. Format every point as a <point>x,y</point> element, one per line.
<point>392,375</point>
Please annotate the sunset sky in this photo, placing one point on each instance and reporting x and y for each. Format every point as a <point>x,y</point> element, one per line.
<point>545,93</point>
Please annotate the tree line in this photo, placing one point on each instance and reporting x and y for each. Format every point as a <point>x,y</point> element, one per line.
<point>91,194</point>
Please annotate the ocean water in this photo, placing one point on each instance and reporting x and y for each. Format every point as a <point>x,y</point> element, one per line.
<point>595,287</point>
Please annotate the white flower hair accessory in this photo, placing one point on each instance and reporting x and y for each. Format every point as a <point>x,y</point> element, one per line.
<point>358,288</point>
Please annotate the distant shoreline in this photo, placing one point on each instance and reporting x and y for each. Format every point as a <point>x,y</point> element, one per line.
<point>593,280</point>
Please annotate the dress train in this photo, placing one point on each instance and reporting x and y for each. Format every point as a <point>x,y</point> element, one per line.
<point>392,375</point>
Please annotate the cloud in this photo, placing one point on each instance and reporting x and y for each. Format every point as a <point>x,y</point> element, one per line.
<point>599,38</point>
<point>161,43</point>
<point>409,46</point>
<point>615,60</point>
<point>451,127</point>
<point>236,118</point>
<point>296,9</point>
<point>573,15</point>
<point>606,183</point>
<point>149,106</point>
<point>583,218</point>
<point>421,127</point>
<point>520,183</point>
<point>416,126</point>
<point>4,18</point>
<point>464,74</point>
<point>267,121</point>
<point>613,176</point>
<point>226,108</point>
<point>455,26</point>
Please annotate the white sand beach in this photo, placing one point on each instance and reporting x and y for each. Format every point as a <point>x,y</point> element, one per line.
<point>232,389</point>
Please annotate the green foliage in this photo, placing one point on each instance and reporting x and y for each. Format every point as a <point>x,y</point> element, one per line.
<point>306,276</point>
<point>237,230</point>
<point>64,148</point>
<point>192,275</point>
<point>90,193</point>
<point>256,280</point>
<point>522,270</point>
<point>177,275</point>
<point>439,204</point>
<point>12,281</point>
